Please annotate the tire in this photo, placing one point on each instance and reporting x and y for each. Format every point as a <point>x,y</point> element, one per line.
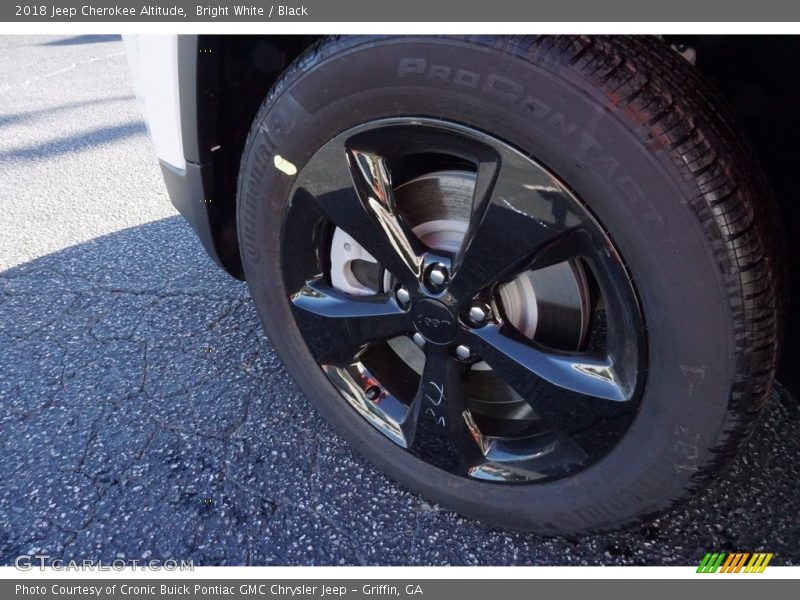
<point>631,130</point>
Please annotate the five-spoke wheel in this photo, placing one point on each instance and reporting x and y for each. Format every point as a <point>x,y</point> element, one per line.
<point>510,350</point>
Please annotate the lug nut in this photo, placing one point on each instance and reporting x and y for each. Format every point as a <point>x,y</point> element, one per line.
<point>418,340</point>
<point>372,393</point>
<point>402,295</point>
<point>463,352</point>
<point>478,314</point>
<point>437,275</point>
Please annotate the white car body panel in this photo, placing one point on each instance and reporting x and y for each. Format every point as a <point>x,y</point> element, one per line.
<point>153,61</point>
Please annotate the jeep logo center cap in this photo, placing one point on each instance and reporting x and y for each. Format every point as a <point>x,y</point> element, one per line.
<point>434,321</point>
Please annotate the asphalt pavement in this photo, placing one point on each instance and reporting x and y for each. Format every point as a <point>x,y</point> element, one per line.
<point>143,413</point>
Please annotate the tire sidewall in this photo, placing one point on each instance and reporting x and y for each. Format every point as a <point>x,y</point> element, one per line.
<point>634,189</point>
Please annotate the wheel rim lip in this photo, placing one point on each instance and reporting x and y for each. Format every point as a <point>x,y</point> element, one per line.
<point>453,305</point>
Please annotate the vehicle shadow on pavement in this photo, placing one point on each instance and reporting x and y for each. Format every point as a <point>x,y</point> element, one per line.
<point>91,139</point>
<point>145,415</point>
<point>78,40</point>
<point>32,115</point>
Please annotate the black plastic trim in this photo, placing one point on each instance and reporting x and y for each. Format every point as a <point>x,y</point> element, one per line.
<point>187,91</point>
<point>191,192</point>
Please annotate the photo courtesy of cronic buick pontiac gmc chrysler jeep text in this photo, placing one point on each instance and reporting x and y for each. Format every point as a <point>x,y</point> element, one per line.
<point>541,280</point>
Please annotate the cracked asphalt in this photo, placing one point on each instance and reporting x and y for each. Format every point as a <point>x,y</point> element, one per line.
<point>143,414</point>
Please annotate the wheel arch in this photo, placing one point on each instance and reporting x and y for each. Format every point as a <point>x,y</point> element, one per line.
<point>223,80</point>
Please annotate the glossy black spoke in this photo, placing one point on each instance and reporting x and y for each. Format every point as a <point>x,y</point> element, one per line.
<point>338,326</point>
<point>547,454</point>
<point>576,242</point>
<point>354,190</point>
<point>518,212</point>
<point>437,428</point>
<point>624,330</point>
<point>519,362</point>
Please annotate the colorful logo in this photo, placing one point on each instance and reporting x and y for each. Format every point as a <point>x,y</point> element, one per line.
<point>735,562</point>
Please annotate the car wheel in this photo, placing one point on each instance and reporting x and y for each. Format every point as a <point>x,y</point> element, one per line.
<point>526,277</point>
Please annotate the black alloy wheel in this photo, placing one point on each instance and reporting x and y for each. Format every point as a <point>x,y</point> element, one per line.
<point>545,415</point>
